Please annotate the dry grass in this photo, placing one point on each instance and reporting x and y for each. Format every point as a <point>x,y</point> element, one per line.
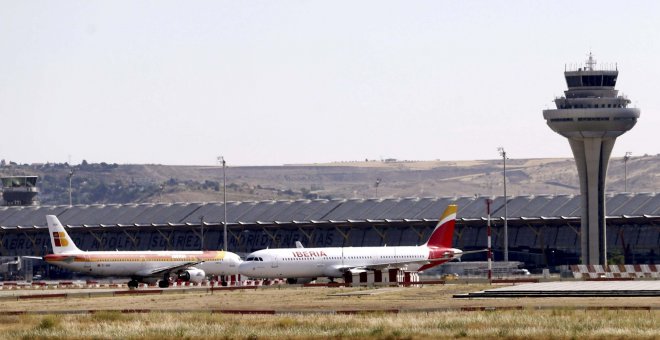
<point>190,316</point>
<point>292,299</point>
<point>554,324</point>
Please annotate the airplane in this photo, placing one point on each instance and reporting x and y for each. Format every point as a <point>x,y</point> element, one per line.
<point>301,265</point>
<point>141,266</point>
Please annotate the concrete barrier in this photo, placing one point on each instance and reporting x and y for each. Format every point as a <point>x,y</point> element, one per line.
<point>649,271</point>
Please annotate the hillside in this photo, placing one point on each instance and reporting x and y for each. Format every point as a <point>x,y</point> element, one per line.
<point>112,183</point>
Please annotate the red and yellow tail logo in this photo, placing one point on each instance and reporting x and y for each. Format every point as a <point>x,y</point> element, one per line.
<point>60,239</point>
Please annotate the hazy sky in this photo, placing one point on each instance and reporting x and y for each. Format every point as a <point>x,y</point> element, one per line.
<point>275,82</point>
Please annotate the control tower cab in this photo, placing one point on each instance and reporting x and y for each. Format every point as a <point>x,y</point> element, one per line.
<point>592,114</point>
<point>591,107</point>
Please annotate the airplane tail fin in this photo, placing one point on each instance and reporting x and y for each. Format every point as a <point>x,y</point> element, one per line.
<point>59,238</point>
<point>442,235</point>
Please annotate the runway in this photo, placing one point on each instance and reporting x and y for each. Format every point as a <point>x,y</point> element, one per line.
<point>572,289</point>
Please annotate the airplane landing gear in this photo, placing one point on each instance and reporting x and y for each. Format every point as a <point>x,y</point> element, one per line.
<point>223,280</point>
<point>132,284</point>
<point>164,283</point>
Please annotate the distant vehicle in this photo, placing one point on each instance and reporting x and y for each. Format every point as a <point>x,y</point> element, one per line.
<point>140,266</point>
<point>522,271</point>
<point>450,276</point>
<point>306,264</point>
<point>37,277</point>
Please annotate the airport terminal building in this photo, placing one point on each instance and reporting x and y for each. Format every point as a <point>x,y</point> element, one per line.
<point>543,229</point>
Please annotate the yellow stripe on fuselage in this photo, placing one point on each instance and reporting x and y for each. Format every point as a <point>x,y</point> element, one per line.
<point>133,257</point>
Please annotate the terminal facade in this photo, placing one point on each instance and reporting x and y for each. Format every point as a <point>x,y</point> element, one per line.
<point>544,230</point>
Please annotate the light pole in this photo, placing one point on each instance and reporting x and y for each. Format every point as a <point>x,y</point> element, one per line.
<point>201,225</point>
<point>490,252</point>
<point>626,157</point>
<point>70,176</point>
<point>376,185</point>
<point>221,159</point>
<point>506,216</point>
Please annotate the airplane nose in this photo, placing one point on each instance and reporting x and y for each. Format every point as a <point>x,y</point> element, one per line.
<point>246,268</point>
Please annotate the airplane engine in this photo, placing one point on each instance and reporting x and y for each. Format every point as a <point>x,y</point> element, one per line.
<point>300,280</point>
<point>193,275</point>
<point>333,272</point>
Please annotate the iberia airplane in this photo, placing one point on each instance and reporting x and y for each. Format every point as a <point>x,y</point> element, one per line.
<point>140,266</point>
<point>306,264</point>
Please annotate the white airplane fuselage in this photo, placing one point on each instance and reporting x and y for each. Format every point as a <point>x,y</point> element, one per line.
<point>138,263</point>
<point>140,266</point>
<point>333,262</point>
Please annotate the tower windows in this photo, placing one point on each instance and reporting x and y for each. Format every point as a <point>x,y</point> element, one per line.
<point>573,81</point>
<point>591,119</point>
<point>596,80</point>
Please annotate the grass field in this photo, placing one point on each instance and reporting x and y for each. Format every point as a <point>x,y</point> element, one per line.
<point>320,313</point>
<point>522,324</point>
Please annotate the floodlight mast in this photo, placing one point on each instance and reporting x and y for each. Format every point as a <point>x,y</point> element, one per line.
<point>221,159</point>
<point>506,215</point>
<point>201,226</point>
<point>626,157</point>
<point>490,251</point>
<point>70,195</point>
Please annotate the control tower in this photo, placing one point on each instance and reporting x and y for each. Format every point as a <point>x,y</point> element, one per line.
<point>592,114</point>
<point>19,190</point>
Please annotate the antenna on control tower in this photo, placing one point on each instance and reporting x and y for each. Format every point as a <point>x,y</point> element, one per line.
<point>591,62</point>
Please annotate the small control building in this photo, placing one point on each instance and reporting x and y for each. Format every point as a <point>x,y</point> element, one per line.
<point>19,190</point>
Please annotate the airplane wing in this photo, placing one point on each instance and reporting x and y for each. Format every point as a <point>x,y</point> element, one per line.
<point>402,264</point>
<point>162,270</point>
<point>352,270</point>
<point>393,265</point>
<point>357,270</point>
<point>382,266</point>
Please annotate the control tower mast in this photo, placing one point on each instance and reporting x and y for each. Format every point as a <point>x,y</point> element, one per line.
<point>592,114</point>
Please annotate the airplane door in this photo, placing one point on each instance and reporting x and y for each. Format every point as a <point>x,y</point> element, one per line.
<point>274,263</point>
